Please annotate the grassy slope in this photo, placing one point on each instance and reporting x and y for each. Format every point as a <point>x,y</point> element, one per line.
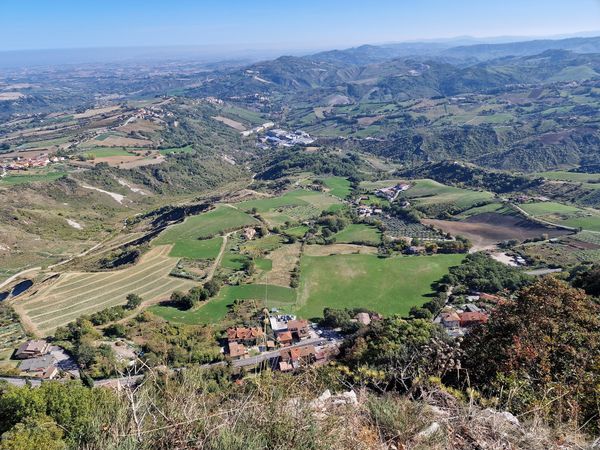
<point>293,198</point>
<point>569,176</point>
<point>429,192</point>
<point>339,186</point>
<point>564,214</point>
<point>105,152</point>
<point>543,208</point>
<point>12,180</point>
<point>197,248</point>
<point>389,286</point>
<point>206,225</point>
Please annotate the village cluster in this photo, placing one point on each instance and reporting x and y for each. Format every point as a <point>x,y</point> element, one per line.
<point>390,194</point>
<point>286,343</point>
<point>458,319</point>
<point>18,163</point>
<point>40,359</point>
<point>277,137</point>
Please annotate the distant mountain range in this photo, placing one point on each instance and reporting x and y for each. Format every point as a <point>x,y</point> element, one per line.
<point>449,51</point>
<point>404,71</point>
<point>460,49</point>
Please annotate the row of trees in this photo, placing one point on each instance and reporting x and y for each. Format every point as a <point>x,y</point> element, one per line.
<point>196,295</point>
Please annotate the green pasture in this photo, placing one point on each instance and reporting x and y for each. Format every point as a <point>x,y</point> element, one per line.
<point>387,285</point>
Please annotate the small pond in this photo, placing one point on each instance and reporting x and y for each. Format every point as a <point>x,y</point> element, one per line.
<point>21,287</point>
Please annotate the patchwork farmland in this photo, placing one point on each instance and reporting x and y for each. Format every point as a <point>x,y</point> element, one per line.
<point>78,293</point>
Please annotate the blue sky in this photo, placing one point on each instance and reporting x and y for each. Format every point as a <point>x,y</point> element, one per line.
<point>298,24</point>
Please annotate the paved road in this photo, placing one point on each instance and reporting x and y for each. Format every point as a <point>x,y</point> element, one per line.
<point>253,360</point>
<point>15,381</point>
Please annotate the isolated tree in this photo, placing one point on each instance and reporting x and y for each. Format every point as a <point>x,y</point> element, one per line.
<point>133,301</point>
<point>212,287</point>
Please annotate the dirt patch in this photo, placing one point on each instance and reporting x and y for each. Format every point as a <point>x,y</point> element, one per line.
<point>141,162</point>
<point>95,112</point>
<point>320,111</point>
<point>488,229</point>
<point>581,245</point>
<point>25,154</point>
<point>116,197</point>
<point>140,125</point>
<point>118,141</point>
<point>369,120</point>
<point>9,96</point>
<point>338,99</point>
<point>230,123</point>
<point>338,249</point>
<point>504,258</point>
<point>75,224</point>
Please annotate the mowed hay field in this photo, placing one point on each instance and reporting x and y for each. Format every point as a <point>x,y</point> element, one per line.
<point>387,285</point>
<point>78,293</point>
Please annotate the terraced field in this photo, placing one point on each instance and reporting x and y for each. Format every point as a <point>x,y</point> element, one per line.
<point>78,293</point>
<point>11,333</point>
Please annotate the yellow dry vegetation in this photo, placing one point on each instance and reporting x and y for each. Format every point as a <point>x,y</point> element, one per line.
<point>75,294</point>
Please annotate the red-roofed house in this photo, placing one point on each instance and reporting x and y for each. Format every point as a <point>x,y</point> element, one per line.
<point>246,335</point>
<point>237,351</point>
<point>469,319</point>
<point>450,319</point>
<point>298,356</point>
<point>285,338</point>
<point>298,328</point>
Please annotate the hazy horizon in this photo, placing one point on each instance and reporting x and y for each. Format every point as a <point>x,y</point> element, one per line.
<point>209,54</point>
<point>268,25</point>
